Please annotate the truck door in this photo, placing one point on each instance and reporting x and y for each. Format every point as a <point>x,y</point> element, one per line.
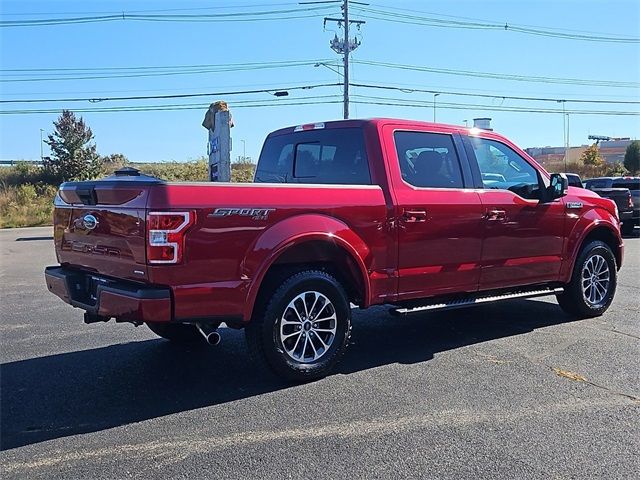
<point>439,219</point>
<point>523,237</point>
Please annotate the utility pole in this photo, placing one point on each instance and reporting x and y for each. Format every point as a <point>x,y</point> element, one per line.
<point>347,41</point>
<point>41,146</point>
<point>345,46</point>
<point>568,142</point>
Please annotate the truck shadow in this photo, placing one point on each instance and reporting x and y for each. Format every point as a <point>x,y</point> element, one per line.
<point>91,390</point>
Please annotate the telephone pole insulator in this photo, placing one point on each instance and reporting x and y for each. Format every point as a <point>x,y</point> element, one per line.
<point>344,46</point>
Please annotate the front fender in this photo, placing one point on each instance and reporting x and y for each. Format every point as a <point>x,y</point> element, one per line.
<point>583,226</point>
<point>275,240</point>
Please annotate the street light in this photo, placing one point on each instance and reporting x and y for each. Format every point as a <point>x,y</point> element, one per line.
<point>321,64</point>
<point>434,106</point>
<point>244,150</point>
<point>41,145</point>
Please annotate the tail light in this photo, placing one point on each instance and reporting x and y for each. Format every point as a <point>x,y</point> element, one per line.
<point>630,201</point>
<point>166,232</point>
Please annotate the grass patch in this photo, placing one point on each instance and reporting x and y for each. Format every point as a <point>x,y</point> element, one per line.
<point>26,205</point>
<point>27,192</point>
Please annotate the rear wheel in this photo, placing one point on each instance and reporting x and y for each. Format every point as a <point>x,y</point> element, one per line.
<point>176,332</point>
<point>593,282</point>
<point>304,329</point>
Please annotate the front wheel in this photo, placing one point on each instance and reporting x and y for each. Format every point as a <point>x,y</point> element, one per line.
<point>304,329</point>
<point>593,282</point>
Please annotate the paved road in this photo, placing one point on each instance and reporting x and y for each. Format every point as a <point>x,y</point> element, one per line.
<point>460,394</point>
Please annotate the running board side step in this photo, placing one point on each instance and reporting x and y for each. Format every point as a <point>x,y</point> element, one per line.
<point>477,300</point>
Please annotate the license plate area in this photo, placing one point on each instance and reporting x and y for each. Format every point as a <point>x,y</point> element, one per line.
<point>84,288</point>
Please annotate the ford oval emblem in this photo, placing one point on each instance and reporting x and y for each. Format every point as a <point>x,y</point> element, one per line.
<point>89,222</point>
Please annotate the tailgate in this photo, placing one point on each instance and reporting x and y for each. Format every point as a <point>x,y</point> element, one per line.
<point>100,226</point>
<point>618,195</point>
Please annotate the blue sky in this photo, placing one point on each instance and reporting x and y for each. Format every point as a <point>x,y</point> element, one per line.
<point>178,135</point>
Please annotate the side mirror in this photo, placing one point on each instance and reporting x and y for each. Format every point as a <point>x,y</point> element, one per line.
<point>558,187</point>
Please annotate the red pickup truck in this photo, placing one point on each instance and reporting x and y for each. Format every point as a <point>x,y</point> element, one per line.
<point>419,216</point>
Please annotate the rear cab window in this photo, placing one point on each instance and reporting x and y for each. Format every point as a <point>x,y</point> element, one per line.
<point>327,156</point>
<point>593,184</point>
<point>633,185</point>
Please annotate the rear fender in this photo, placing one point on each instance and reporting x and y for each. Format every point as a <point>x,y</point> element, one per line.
<point>274,241</point>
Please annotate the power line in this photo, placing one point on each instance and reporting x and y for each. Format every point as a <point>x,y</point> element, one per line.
<point>320,100</point>
<point>327,99</point>
<point>503,76</point>
<point>309,87</point>
<point>175,95</point>
<point>393,15</point>
<point>247,16</point>
<point>498,97</point>
<point>114,12</point>
<point>399,102</point>
<point>157,91</point>
<point>170,70</point>
<point>80,70</point>
<point>138,72</point>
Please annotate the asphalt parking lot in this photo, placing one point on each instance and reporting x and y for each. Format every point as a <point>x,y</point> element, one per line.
<point>511,390</point>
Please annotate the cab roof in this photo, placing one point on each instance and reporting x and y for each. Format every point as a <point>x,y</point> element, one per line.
<point>369,121</point>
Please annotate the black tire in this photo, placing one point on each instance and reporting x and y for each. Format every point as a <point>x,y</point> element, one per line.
<point>627,227</point>
<point>176,332</point>
<point>573,300</point>
<point>263,334</point>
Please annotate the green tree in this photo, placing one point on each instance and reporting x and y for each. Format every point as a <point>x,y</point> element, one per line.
<point>591,156</point>
<point>74,154</point>
<point>632,157</point>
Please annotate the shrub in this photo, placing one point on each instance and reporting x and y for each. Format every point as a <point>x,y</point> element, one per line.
<point>194,171</point>
<point>26,205</point>
<point>26,194</point>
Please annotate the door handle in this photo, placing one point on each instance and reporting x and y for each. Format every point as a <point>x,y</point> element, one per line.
<point>496,215</point>
<point>414,216</point>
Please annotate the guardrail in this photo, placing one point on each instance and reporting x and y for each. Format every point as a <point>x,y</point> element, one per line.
<point>11,163</point>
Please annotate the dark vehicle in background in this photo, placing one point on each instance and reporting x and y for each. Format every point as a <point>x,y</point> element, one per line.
<point>574,180</point>
<point>625,191</point>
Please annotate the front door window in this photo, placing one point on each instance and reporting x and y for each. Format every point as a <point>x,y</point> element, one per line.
<point>502,168</point>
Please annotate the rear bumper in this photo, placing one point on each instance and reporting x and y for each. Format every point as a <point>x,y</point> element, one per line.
<point>103,298</point>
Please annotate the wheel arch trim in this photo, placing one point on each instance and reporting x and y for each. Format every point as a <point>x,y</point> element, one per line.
<point>295,231</point>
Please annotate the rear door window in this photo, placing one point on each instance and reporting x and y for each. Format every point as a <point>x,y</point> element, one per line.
<point>327,156</point>
<point>428,160</point>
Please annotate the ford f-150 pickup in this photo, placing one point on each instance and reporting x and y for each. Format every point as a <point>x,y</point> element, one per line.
<point>354,213</point>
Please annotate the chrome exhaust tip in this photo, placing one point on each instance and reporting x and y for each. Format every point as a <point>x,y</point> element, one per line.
<point>211,336</point>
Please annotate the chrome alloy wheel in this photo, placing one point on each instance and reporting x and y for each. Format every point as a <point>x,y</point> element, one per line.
<point>595,280</point>
<point>308,327</point>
